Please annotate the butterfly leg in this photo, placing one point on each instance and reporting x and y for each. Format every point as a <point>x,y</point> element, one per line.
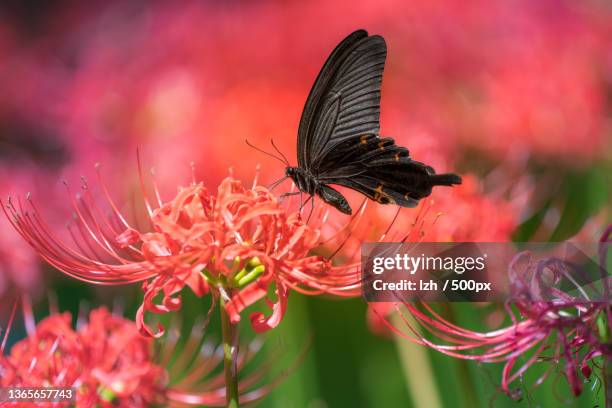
<point>282,196</point>
<point>301,203</point>
<point>311,199</point>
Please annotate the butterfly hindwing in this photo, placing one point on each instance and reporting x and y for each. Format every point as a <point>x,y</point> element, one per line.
<point>381,170</point>
<point>381,192</point>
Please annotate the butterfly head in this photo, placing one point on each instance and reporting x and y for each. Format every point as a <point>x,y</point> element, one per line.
<point>303,180</point>
<point>293,174</point>
<point>290,172</point>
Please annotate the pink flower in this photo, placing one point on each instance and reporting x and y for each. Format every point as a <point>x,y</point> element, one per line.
<point>20,270</point>
<point>564,331</point>
<point>108,364</point>
<point>449,217</point>
<point>238,244</point>
<point>105,360</point>
<point>18,265</point>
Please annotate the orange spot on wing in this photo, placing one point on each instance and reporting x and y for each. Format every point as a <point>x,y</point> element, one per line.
<point>381,197</point>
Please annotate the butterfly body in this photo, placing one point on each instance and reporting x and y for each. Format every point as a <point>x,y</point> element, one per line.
<point>338,141</point>
<point>310,185</point>
<point>304,181</point>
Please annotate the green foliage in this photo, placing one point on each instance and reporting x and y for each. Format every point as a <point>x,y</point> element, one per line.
<point>579,195</point>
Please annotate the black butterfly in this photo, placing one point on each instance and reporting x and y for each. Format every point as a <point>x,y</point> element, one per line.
<point>338,140</point>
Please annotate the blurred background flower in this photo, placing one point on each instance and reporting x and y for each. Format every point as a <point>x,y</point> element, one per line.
<point>514,96</point>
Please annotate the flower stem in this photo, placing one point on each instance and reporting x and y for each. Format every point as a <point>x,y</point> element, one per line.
<point>418,371</point>
<point>230,361</point>
<point>603,328</point>
<point>607,374</point>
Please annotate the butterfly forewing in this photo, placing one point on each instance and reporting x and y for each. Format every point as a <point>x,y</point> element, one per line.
<point>344,101</point>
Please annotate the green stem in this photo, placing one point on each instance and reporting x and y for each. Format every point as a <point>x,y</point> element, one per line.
<point>230,353</point>
<point>603,326</point>
<point>607,368</point>
<point>607,371</point>
<point>418,371</point>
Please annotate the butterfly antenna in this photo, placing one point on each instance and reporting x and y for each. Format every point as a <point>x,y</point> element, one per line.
<point>264,152</point>
<point>279,152</point>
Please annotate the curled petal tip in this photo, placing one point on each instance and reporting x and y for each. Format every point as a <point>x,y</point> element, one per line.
<point>128,237</point>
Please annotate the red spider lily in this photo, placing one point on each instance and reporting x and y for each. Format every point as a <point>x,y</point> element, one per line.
<point>19,267</point>
<point>238,244</point>
<point>449,218</point>
<point>566,330</point>
<point>108,363</point>
<point>105,360</point>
